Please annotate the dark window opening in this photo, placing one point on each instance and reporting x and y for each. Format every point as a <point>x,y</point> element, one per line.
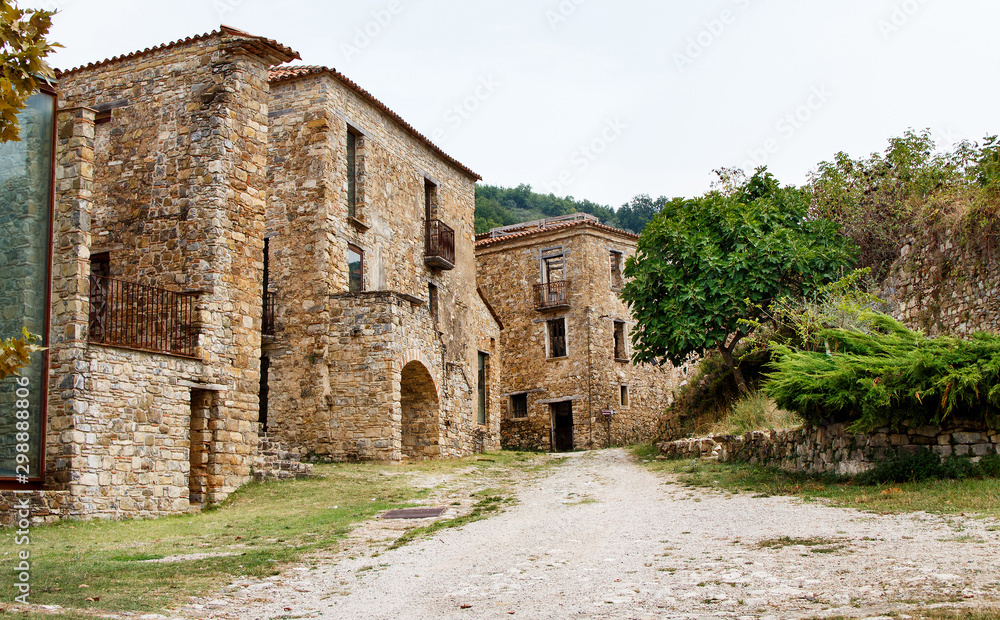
<point>624,396</point>
<point>100,264</point>
<point>484,375</point>
<point>432,300</point>
<point>519,406</point>
<point>620,341</point>
<point>552,266</point>
<point>616,270</point>
<point>430,194</point>
<point>557,337</point>
<point>355,269</point>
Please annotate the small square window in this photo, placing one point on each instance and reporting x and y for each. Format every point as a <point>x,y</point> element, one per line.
<point>557,337</point>
<point>624,396</point>
<point>355,269</point>
<point>519,406</point>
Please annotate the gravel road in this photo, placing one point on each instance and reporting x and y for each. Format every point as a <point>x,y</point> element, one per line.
<point>601,537</point>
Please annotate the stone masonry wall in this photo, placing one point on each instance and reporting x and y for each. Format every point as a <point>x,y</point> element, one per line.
<point>590,375</point>
<point>942,286</point>
<point>835,450</point>
<point>315,392</point>
<point>180,191</point>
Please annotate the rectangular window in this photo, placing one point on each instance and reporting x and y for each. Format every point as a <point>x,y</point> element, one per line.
<point>616,270</point>
<point>355,269</point>
<point>519,406</point>
<point>552,265</point>
<point>484,376</point>
<point>620,353</point>
<point>557,337</point>
<point>352,173</point>
<point>430,197</point>
<point>624,396</point>
<point>432,300</point>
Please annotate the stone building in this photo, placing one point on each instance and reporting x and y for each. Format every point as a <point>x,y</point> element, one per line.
<point>568,380</point>
<point>190,180</point>
<point>381,345</point>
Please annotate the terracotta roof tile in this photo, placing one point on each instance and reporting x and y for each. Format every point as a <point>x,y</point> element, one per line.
<point>284,53</point>
<point>279,74</point>
<point>484,240</point>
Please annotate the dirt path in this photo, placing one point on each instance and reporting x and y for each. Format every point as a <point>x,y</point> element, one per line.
<point>600,537</point>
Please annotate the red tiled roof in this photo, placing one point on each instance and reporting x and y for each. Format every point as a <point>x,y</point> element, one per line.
<point>284,53</point>
<point>483,240</point>
<point>279,74</point>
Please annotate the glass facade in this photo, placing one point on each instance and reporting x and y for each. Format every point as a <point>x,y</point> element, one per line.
<point>25,231</point>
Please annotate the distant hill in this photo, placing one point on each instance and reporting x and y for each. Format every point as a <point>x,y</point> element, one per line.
<point>501,206</point>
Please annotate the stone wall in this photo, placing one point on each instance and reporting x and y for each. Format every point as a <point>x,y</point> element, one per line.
<point>591,376</point>
<point>336,360</point>
<point>835,450</point>
<point>945,286</point>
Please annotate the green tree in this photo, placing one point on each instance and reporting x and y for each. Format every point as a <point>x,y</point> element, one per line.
<point>707,266</point>
<point>23,49</point>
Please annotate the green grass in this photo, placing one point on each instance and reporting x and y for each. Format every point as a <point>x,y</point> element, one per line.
<point>259,530</point>
<point>970,495</point>
<point>754,412</point>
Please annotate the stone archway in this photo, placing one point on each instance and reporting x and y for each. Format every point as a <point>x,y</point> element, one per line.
<point>420,429</point>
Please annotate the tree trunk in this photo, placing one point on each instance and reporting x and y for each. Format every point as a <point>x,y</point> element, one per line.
<point>727,356</point>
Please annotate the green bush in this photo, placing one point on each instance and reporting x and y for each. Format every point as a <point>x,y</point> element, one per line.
<point>926,465</point>
<point>888,376</point>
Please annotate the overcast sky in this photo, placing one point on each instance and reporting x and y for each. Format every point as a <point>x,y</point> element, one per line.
<point>604,99</point>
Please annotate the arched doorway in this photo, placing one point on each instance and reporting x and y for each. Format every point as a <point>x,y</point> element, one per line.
<point>418,401</point>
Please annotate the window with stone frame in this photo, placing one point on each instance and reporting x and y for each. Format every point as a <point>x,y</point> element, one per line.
<point>432,300</point>
<point>617,281</point>
<point>355,269</point>
<point>556,329</point>
<point>621,354</point>
<point>355,174</point>
<point>624,396</point>
<point>518,406</point>
<point>483,387</point>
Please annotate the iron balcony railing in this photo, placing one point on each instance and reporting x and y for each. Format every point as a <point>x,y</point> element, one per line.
<point>142,317</point>
<point>439,249</point>
<point>552,295</point>
<point>267,322</point>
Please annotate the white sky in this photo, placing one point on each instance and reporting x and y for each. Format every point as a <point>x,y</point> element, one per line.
<point>606,100</point>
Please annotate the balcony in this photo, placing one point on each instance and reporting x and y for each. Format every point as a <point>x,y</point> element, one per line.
<point>439,249</point>
<point>135,316</point>
<point>267,319</point>
<point>552,295</point>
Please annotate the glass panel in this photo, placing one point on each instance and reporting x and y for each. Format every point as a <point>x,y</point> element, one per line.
<point>355,275</point>
<point>351,173</point>
<point>482,388</point>
<point>25,191</point>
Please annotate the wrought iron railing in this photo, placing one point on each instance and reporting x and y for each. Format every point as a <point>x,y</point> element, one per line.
<point>136,316</point>
<point>552,294</point>
<point>267,321</point>
<point>440,244</point>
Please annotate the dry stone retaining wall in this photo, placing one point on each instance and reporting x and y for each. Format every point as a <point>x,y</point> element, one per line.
<point>835,450</point>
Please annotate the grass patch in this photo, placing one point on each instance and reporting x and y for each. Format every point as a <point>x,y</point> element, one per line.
<point>969,495</point>
<point>754,412</point>
<point>255,533</point>
<point>787,541</point>
<point>491,501</point>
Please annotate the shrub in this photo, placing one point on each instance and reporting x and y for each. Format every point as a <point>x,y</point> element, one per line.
<point>888,376</point>
<point>755,412</point>
<point>926,465</point>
